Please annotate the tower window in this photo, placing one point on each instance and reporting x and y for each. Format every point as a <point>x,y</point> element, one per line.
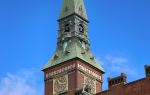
<point>81,28</point>
<point>67,28</point>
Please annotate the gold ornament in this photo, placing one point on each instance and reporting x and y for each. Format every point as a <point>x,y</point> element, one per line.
<point>60,85</point>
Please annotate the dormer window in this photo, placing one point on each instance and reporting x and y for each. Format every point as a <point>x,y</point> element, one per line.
<point>81,28</point>
<point>67,28</point>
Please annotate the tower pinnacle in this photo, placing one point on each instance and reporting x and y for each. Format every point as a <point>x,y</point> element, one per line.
<point>73,41</point>
<point>71,7</point>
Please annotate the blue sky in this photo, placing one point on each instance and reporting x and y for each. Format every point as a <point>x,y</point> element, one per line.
<point>119,33</point>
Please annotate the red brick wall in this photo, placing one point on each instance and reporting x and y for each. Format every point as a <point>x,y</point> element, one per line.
<point>75,77</point>
<point>72,83</point>
<point>99,86</point>
<point>49,87</point>
<point>79,79</point>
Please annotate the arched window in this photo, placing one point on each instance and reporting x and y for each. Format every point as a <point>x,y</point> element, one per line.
<point>81,28</point>
<point>67,28</point>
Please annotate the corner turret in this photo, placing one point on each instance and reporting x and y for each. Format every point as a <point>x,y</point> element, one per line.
<point>117,80</point>
<point>147,70</point>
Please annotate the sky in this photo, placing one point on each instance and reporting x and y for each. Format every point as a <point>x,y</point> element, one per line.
<point>119,32</point>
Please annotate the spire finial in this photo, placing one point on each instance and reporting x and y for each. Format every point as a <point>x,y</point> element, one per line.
<point>71,7</point>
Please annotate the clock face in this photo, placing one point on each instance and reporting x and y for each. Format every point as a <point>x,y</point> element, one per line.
<point>60,85</point>
<point>91,84</point>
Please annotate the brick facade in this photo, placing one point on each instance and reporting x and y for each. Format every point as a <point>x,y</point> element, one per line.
<point>75,77</point>
<point>116,86</point>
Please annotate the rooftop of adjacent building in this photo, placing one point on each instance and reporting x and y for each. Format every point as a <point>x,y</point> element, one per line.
<point>121,80</point>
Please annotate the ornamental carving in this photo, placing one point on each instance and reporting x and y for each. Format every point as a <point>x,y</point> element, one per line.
<point>91,83</point>
<point>60,85</point>
<point>80,11</point>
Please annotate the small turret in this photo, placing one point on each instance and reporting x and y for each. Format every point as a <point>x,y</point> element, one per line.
<point>147,70</point>
<point>117,80</point>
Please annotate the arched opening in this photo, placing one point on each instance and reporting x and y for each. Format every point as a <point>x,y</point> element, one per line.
<point>81,28</point>
<point>67,28</point>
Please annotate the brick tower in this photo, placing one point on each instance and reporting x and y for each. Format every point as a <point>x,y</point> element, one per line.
<point>73,70</point>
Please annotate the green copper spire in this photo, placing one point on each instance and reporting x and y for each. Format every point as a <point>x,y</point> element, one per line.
<point>70,7</point>
<point>73,41</point>
<point>73,50</point>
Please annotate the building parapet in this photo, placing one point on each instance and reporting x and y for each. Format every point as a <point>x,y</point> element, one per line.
<point>117,80</point>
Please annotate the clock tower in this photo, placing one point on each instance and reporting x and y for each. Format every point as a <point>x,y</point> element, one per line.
<point>73,70</point>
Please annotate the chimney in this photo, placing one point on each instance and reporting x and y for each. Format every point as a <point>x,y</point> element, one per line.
<point>117,80</point>
<point>147,71</point>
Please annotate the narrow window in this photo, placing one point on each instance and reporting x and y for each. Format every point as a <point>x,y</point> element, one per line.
<point>81,28</point>
<point>67,28</point>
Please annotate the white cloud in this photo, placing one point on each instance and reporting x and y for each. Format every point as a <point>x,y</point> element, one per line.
<point>21,83</point>
<point>114,66</point>
<point>116,60</point>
